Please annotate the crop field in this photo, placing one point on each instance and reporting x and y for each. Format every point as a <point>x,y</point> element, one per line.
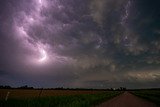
<point>54,98</point>
<point>30,93</point>
<point>151,95</point>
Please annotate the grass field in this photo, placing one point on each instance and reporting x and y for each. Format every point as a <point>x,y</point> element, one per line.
<point>151,95</point>
<point>55,98</point>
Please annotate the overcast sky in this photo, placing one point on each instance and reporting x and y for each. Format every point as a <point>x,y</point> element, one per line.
<point>80,43</point>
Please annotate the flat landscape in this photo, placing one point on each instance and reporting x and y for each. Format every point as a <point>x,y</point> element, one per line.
<point>54,98</point>
<point>78,98</point>
<point>30,93</point>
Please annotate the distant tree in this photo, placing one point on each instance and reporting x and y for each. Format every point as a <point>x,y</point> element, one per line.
<point>111,89</point>
<point>5,87</point>
<point>25,87</point>
<point>122,88</point>
<point>1,86</point>
<point>59,88</point>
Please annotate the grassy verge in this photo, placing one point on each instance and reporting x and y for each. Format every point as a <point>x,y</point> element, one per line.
<point>151,95</point>
<point>87,100</point>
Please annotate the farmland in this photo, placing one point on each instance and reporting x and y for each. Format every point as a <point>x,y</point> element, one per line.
<point>151,95</point>
<point>30,93</point>
<point>56,98</point>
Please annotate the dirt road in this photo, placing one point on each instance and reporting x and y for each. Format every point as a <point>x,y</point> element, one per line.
<point>127,100</point>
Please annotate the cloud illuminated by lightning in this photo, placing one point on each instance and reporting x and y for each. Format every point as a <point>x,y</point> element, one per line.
<point>43,55</point>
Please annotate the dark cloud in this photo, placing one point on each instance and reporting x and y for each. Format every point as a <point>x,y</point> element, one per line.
<point>94,43</point>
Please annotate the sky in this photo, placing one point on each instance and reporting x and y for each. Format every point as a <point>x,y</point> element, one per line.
<point>80,43</point>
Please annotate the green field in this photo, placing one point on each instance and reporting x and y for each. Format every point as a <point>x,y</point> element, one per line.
<point>151,95</point>
<point>80,100</point>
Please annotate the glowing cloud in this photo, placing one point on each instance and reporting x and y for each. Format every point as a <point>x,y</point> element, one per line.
<point>43,55</point>
<point>41,3</point>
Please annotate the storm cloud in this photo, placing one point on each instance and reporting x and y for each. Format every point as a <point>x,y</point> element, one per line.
<point>75,43</point>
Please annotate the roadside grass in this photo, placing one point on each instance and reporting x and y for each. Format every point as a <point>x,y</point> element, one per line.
<point>151,95</point>
<point>86,100</point>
